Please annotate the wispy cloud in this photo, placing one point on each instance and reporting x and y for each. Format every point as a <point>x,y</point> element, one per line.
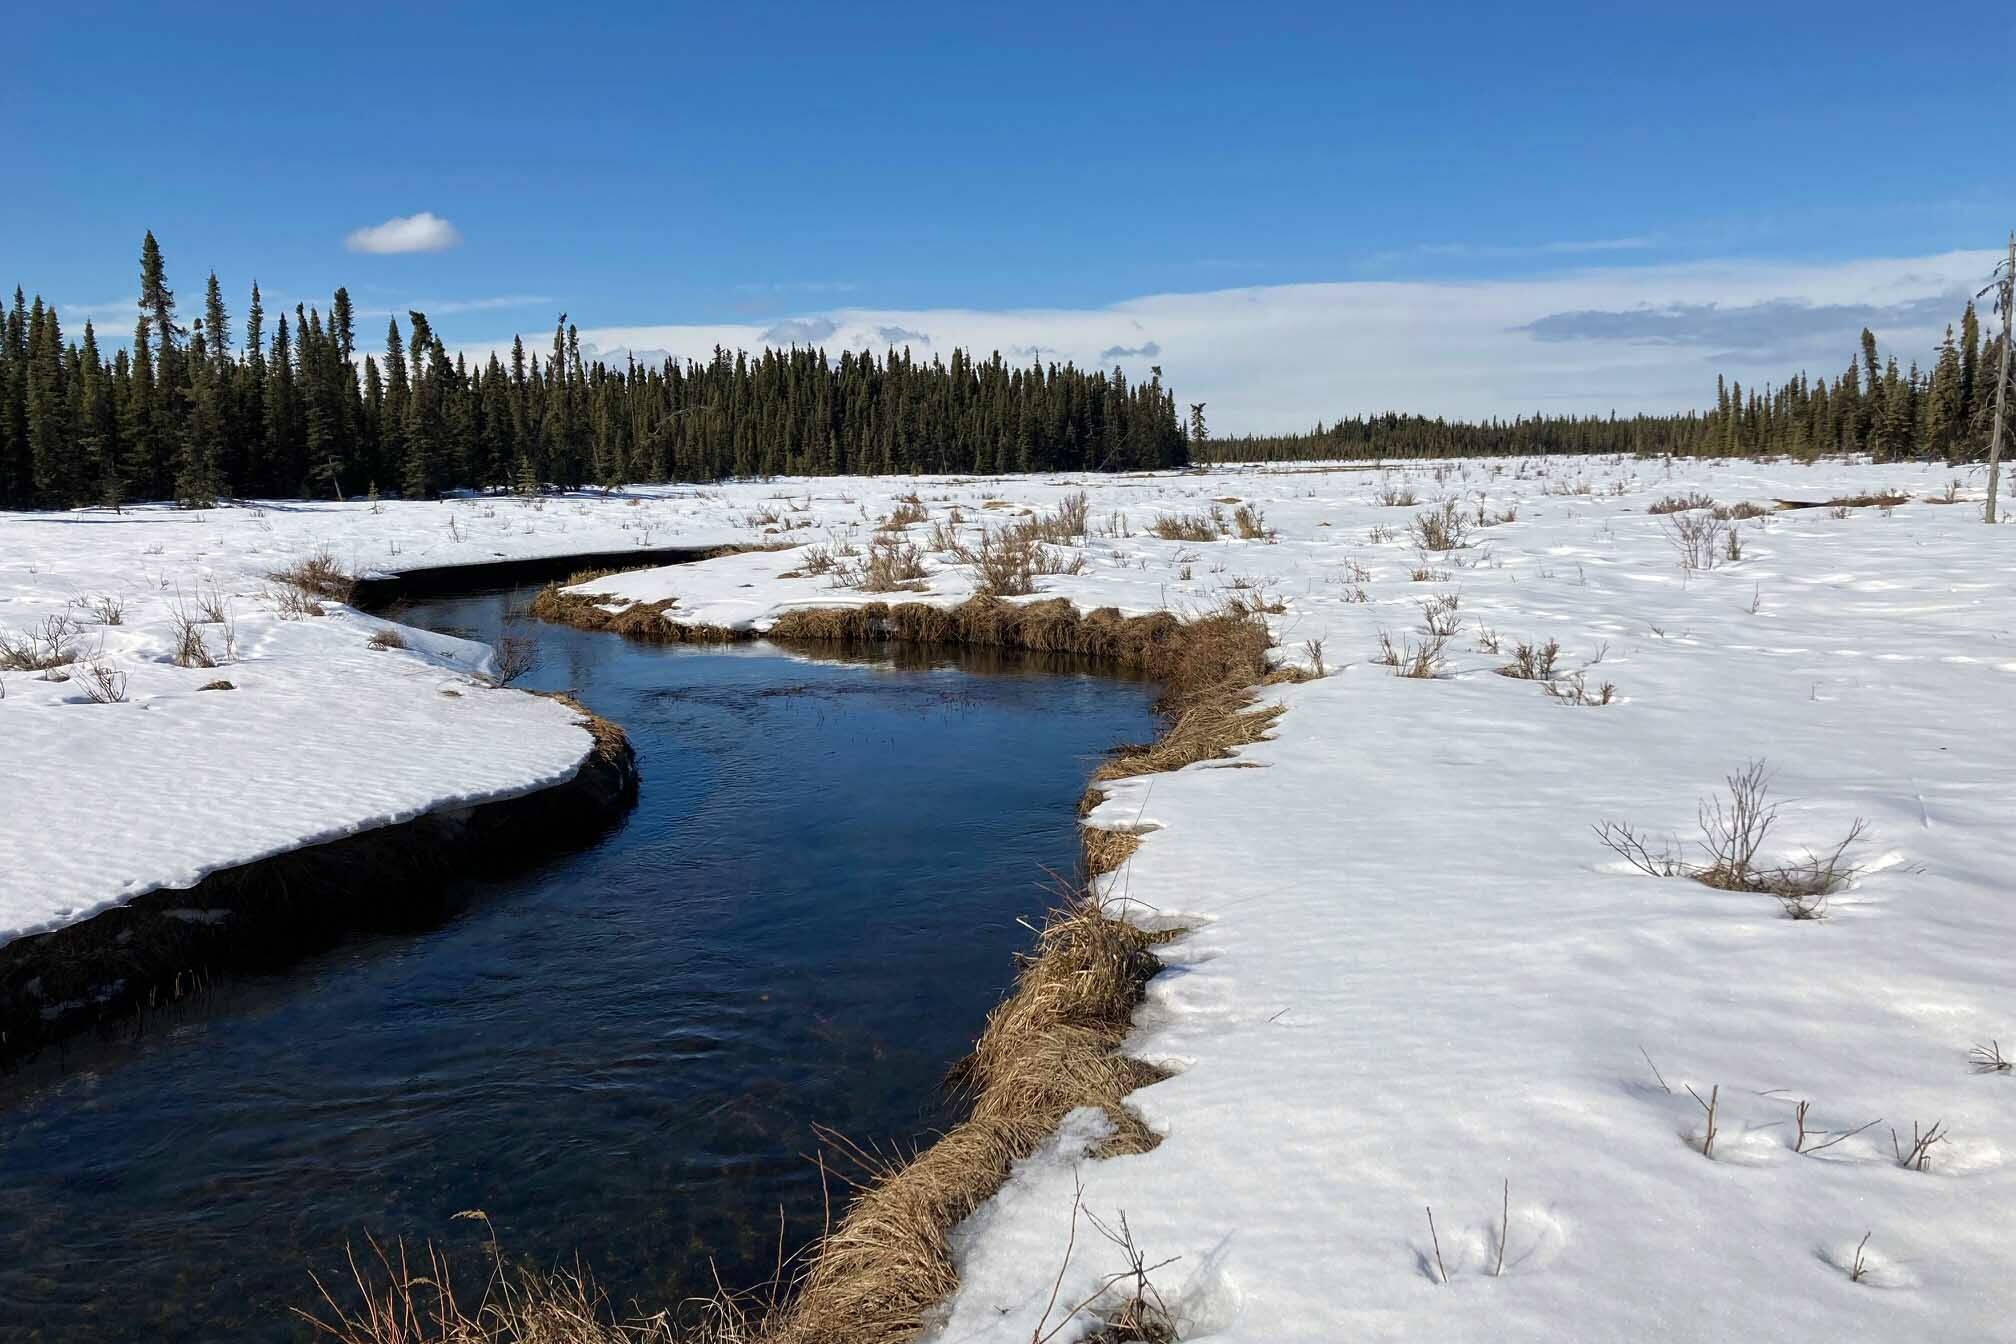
<point>800,331</point>
<point>902,336</point>
<point>1776,324</point>
<point>1280,357</point>
<point>424,232</point>
<point>91,312</point>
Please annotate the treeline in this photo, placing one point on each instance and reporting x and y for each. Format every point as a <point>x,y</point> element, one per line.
<point>1871,407</point>
<point>194,414</point>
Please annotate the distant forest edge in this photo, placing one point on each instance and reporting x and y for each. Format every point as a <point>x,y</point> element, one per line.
<point>188,414</point>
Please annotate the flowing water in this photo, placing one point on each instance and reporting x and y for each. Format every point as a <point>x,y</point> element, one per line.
<point>621,1053</point>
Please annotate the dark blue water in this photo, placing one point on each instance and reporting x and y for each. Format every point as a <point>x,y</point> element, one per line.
<point>621,1054</point>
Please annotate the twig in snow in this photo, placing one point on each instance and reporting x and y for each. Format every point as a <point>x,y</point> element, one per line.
<point>1860,1267</point>
<point>1708,1138</point>
<point>1655,1072</point>
<point>1919,1153</point>
<point>1988,1059</point>
<point>1437,1242</point>
<point>1504,1229</point>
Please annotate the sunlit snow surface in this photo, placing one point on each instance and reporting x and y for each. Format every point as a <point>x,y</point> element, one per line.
<point>1413,972</point>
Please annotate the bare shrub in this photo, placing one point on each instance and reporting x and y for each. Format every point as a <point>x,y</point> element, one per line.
<point>102,682</point>
<point>1681,503</point>
<point>1917,1155</point>
<point>1440,529</point>
<point>292,603</point>
<point>1531,662</point>
<point>1694,535</point>
<point>212,606</point>
<point>1573,689</point>
<point>1250,523</point>
<point>1422,658</point>
<point>1438,614</point>
<point>106,610</point>
<point>386,637</point>
<point>1379,534</point>
<point>1740,512</point>
<point>1397,497</point>
<point>189,649</point>
<point>1314,649</point>
<point>1732,836</point>
<point>513,659</point>
<point>50,644</point>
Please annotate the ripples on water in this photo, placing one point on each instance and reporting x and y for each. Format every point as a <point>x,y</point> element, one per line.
<point>621,1053</point>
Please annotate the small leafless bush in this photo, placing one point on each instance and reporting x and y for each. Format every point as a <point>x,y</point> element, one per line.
<point>1438,614</point>
<point>1380,534</point>
<point>1740,512</point>
<point>50,644</point>
<point>1422,658</point>
<point>1531,662</point>
<point>514,658</point>
<point>1733,832</point>
<point>1917,1155</point>
<point>1398,497</point>
<point>1126,1304</point>
<point>1314,648</point>
<point>1573,689</point>
<point>292,603</point>
<point>1440,529</point>
<point>105,610</point>
<point>1250,523</point>
<point>1695,536</point>
<point>1487,639</point>
<point>1681,503</point>
<point>102,682</point>
<point>189,648</point>
<point>386,637</point>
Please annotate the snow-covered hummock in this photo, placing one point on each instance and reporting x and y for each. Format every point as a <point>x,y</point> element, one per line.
<point>1413,972</point>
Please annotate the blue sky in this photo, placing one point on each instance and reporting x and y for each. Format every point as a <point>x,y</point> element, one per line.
<point>722,167</point>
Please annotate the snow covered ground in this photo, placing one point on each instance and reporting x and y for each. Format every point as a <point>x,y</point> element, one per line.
<point>323,736</point>
<point>1415,977</point>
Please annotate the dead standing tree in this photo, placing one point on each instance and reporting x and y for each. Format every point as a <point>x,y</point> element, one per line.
<point>2004,285</point>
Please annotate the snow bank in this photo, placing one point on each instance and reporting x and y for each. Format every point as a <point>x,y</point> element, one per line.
<point>322,736</point>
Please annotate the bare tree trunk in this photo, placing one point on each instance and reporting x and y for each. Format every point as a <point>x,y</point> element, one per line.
<point>2002,384</point>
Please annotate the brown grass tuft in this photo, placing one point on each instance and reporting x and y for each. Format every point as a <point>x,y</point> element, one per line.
<point>319,574</point>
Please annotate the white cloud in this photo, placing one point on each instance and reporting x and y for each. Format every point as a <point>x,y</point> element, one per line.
<point>1275,358</point>
<point>424,232</point>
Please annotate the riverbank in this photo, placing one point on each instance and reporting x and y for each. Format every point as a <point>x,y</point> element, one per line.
<point>1413,975</point>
